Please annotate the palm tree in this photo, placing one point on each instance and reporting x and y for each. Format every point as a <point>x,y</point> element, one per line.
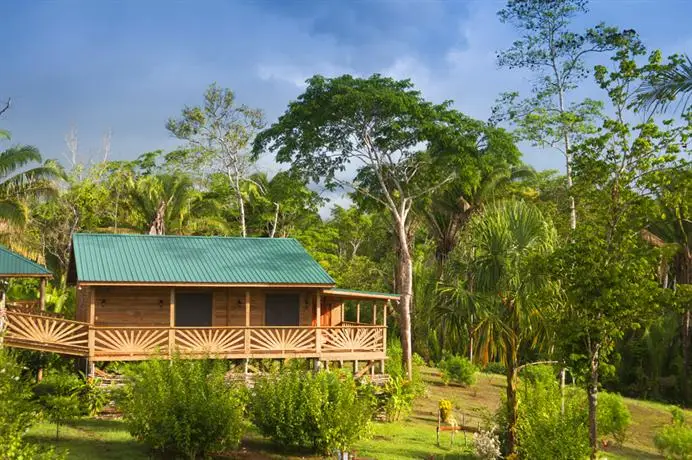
<point>18,184</point>
<point>659,92</point>
<point>168,203</point>
<point>509,285</point>
<point>453,206</point>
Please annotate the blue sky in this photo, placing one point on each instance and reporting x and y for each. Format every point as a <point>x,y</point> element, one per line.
<point>126,66</point>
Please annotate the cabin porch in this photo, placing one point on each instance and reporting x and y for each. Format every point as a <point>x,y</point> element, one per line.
<point>117,323</point>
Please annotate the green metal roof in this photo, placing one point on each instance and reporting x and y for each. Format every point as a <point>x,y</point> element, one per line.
<point>355,293</point>
<point>112,258</point>
<point>14,265</point>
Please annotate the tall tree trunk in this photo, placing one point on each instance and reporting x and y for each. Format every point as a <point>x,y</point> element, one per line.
<point>686,319</point>
<point>593,403</point>
<point>512,402</point>
<point>405,275</point>
<point>684,276</point>
<point>158,225</point>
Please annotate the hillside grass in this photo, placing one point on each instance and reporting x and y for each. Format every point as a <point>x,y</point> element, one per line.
<point>414,438</point>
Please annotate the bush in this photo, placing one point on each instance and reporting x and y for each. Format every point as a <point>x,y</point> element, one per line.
<point>18,414</point>
<point>458,369</point>
<point>182,407</point>
<point>543,432</point>
<point>57,396</point>
<point>487,445</point>
<point>495,368</point>
<point>320,411</point>
<point>540,373</point>
<point>612,416</point>
<point>674,441</point>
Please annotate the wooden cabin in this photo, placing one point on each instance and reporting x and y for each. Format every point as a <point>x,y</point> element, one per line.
<point>140,296</point>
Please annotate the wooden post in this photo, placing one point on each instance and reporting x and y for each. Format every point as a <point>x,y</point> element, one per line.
<point>343,312</point>
<point>42,295</point>
<point>374,313</point>
<point>92,332</point>
<point>171,323</point>
<point>385,307</point>
<point>318,323</point>
<point>358,312</point>
<point>248,304</point>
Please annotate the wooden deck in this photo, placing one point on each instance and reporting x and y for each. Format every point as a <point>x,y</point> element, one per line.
<point>44,332</point>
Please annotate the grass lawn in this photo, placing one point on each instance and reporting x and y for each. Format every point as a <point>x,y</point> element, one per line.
<point>414,438</point>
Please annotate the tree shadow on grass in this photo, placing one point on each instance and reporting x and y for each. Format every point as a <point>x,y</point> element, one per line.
<point>629,452</point>
<point>90,438</point>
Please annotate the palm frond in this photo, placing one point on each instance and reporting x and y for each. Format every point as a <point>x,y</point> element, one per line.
<point>17,157</point>
<point>659,93</point>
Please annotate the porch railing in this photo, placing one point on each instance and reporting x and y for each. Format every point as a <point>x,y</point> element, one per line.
<point>45,333</point>
<point>113,343</point>
<point>343,342</point>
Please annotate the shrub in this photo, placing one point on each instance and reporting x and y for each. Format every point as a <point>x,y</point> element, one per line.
<point>57,396</point>
<point>182,407</point>
<point>495,368</point>
<point>445,408</point>
<point>540,373</point>
<point>18,413</point>
<point>674,441</point>
<point>92,397</point>
<point>320,411</point>
<point>543,432</point>
<point>613,417</point>
<point>396,398</point>
<point>458,369</point>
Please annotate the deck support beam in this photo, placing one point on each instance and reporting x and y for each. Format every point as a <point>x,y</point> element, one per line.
<point>171,322</point>
<point>91,344</point>
<point>248,305</point>
<point>318,323</point>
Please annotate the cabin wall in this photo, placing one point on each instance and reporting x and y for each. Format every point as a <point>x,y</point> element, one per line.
<point>149,306</point>
<point>132,306</point>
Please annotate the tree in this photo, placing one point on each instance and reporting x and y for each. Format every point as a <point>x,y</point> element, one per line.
<point>504,278</point>
<point>608,272</point>
<point>381,125</point>
<point>169,203</point>
<point>218,134</point>
<point>17,184</point>
<point>556,55</point>
<point>663,88</point>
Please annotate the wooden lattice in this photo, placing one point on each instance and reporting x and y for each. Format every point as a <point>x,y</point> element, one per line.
<point>284,339</point>
<point>353,339</point>
<point>130,341</point>
<point>212,341</point>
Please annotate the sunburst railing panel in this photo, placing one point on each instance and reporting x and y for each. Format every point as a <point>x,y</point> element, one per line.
<point>210,341</point>
<point>45,333</point>
<point>283,340</point>
<point>115,341</point>
<point>353,339</point>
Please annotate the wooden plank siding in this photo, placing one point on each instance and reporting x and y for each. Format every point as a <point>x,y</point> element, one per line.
<point>149,306</point>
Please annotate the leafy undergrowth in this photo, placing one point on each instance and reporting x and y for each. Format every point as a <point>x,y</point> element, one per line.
<point>414,438</point>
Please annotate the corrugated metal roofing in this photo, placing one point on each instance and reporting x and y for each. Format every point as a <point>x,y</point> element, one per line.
<point>194,259</point>
<point>12,263</point>
<point>355,293</point>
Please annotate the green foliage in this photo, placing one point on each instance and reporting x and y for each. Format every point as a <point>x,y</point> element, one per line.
<point>675,439</point>
<point>182,407</point>
<point>458,369</point>
<point>543,431</point>
<point>495,368</point>
<point>57,395</point>
<point>320,411</point>
<point>92,397</point>
<point>18,414</point>
<point>538,374</point>
<point>613,417</point>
